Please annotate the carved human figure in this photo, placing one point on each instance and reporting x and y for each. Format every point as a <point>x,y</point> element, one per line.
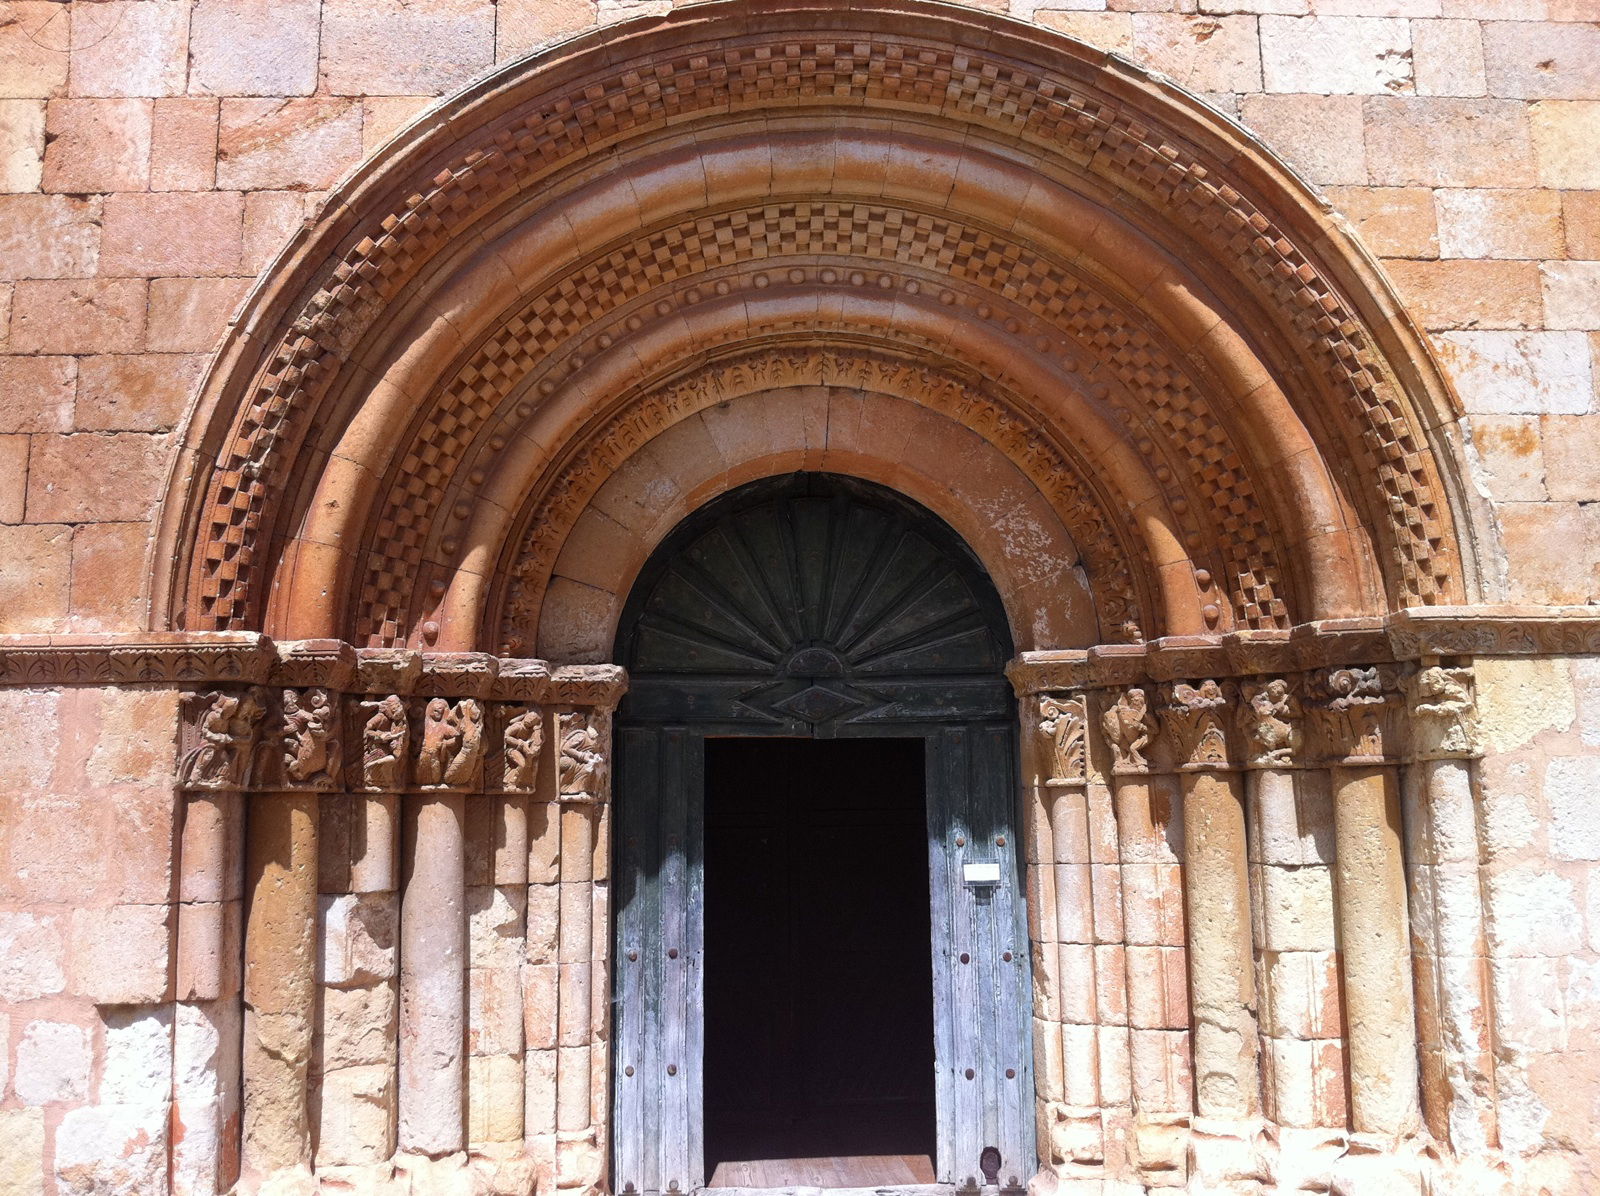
<point>524,740</point>
<point>227,725</point>
<point>466,765</point>
<point>1272,722</point>
<point>1129,726</point>
<point>582,764</point>
<point>440,734</point>
<point>1062,721</point>
<point>384,741</point>
<point>1443,722</point>
<point>311,750</point>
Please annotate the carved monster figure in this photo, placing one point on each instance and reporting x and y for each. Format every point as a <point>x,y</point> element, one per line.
<point>227,726</point>
<point>1129,726</point>
<point>1269,720</point>
<point>582,765</point>
<point>1443,693</point>
<point>524,740</point>
<point>311,750</point>
<point>466,766</point>
<point>1196,722</point>
<point>384,741</point>
<point>1062,721</point>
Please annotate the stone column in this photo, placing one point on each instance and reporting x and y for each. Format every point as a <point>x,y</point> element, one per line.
<point>433,929</point>
<point>1221,968</point>
<point>1359,716</point>
<point>1443,852</point>
<point>1149,830</point>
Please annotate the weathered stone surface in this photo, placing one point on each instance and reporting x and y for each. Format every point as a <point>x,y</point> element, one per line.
<point>188,315</point>
<point>111,1149</point>
<point>89,477</point>
<point>1510,458</point>
<point>22,1146</point>
<point>99,315</point>
<point>1216,54</point>
<point>21,144</point>
<point>1564,134</point>
<point>1479,223</point>
<point>1571,295</point>
<point>1336,55</point>
<point>1391,221</point>
<point>32,962</point>
<point>1448,142</point>
<point>357,1119</point>
<point>359,934</point>
<point>49,236</point>
<point>120,955</point>
<point>1521,373</point>
<point>253,47</point>
<point>138,239</point>
<point>301,145</point>
<point>138,1058</point>
<point>524,25</point>
<point>32,41</point>
<point>1320,136</point>
<point>1470,294</point>
<point>1447,58</point>
<point>53,1063</point>
<point>97,145</point>
<point>129,48</point>
<point>381,47</point>
<point>36,393</point>
<point>1535,60</point>
<point>1570,786</point>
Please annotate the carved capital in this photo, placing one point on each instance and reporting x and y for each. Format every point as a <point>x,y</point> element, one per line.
<point>1063,724</point>
<point>309,739</point>
<point>522,743</point>
<point>450,754</point>
<point>1129,727</point>
<point>220,740</point>
<point>1357,714</point>
<point>1443,710</point>
<point>1270,722</point>
<point>1197,720</point>
<point>582,771</point>
<point>385,744</point>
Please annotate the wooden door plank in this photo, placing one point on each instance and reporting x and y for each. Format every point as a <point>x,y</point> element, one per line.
<point>693,1066</point>
<point>672,1131</point>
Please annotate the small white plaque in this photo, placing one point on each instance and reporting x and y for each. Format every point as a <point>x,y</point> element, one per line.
<point>981,874</point>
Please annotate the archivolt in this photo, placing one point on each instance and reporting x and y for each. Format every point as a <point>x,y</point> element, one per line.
<point>1137,280</point>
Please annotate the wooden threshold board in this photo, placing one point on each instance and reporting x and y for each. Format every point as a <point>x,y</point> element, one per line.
<point>857,1171</point>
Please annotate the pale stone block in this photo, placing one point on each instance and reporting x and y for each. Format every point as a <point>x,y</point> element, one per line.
<point>33,45</point>
<point>386,47</point>
<point>1111,31</point>
<point>173,233</point>
<point>494,925</point>
<point>31,957</point>
<point>1507,457</point>
<point>1336,55</point>
<point>35,564</point>
<point>540,1004</point>
<point>14,487</point>
<point>1216,54</point>
<point>120,955</point>
<point>1571,295</point>
<point>1448,58</point>
<point>539,1107</point>
<point>495,1011</point>
<point>21,145</point>
<point>53,1063</point>
<point>1298,908</point>
<point>1536,60</point>
<point>1586,686</point>
<point>1391,221</point>
<point>357,1108</point>
<point>111,1150</point>
<point>1520,697</point>
<point>253,47</point>
<point>189,315</point>
<point>1572,791</point>
<point>302,144</point>
<point>97,145</point>
<point>89,315</point>
<point>205,1040</point>
<point>183,147</point>
<point>1534,912</point>
<point>384,116</point>
<point>1565,133</point>
<point>1320,136</point>
<point>22,1148</point>
<point>1520,373</point>
<point>49,236</point>
<point>270,219</point>
<point>1529,1003</point>
<point>139,1056</point>
<point>1482,223</point>
<point>358,1026</point>
<point>543,923</point>
<point>359,934</point>
<point>1553,550</point>
<point>494,1098</point>
<point>36,393</point>
<point>525,25</point>
<point>130,48</point>
<point>1438,142</point>
<point>1470,294</point>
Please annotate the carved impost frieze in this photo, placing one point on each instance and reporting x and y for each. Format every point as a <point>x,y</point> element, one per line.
<point>1271,722</point>
<point>1198,720</point>
<point>1063,721</point>
<point>458,674</point>
<point>330,664</point>
<point>1356,714</point>
<point>1130,727</point>
<point>1177,657</point>
<point>583,774</point>
<point>1417,633</point>
<point>149,658</point>
<point>1443,721</point>
<point>597,685</point>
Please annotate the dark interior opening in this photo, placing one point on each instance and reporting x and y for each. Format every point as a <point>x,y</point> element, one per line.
<point>818,968</point>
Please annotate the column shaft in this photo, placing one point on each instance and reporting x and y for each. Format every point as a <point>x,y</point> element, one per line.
<point>1379,1004</point>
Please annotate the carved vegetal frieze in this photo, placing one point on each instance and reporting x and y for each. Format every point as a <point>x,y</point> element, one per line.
<point>1443,713</point>
<point>1129,728</point>
<point>385,744</point>
<point>581,768</point>
<point>1197,719</point>
<point>1063,723</point>
<point>522,744</point>
<point>1270,715</point>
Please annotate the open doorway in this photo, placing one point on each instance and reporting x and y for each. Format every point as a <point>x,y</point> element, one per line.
<point>819,1035</point>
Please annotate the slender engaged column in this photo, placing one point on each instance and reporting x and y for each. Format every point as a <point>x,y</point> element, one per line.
<point>433,975</point>
<point>1221,968</point>
<point>1380,1012</point>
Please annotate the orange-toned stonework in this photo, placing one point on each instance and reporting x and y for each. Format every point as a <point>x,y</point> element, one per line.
<point>356,357</point>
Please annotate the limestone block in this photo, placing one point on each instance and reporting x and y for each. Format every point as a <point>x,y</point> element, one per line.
<point>1447,58</point>
<point>34,578</point>
<point>53,1063</point>
<point>49,236</point>
<point>543,923</point>
<point>1470,294</point>
<point>13,495</point>
<point>494,1098</point>
<point>104,556</point>
<point>1564,137</point>
<point>1520,697</point>
<point>495,1011</point>
<point>1534,912</point>
<point>97,145</point>
<point>1115,1065</point>
<point>173,233</point>
<point>1204,53</point>
<point>270,218</point>
<point>139,1056</point>
<point>1336,55</point>
<point>1511,373</point>
<point>524,25</point>
<point>137,733</point>
<point>1480,223</point>
<point>120,955</point>
<point>357,1107</point>
<point>383,47</point>
<point>22,1147</point>
<point>31,956</point>
<point>38,393</point>
<point>1104,30</point>
<point>1542,60</point>
<point>494,925</point>
<point>359,936</point>
<point>1319,135</point>
<point>183,144</point>
<point>1571,294</point>
<point>31,45</point>
<point>304,144</point>
<point>1572,791</point>
<point>112,1150</point>
<point>1429,142</point>
<point>358,1025</point>
<point>539,1104</point>
<point>253,47</point>
<point>35,717</point>
<point>188,315</point>
<point>1391,221</point>
<point>1301,996</point>
<point>126,48</point>
<point>102,315</point>
<point>1298,908</point>
<point>5,1054</point>
<point>205,1063</point>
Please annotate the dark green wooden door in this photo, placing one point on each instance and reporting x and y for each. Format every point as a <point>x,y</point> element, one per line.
<point>813,605</point>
